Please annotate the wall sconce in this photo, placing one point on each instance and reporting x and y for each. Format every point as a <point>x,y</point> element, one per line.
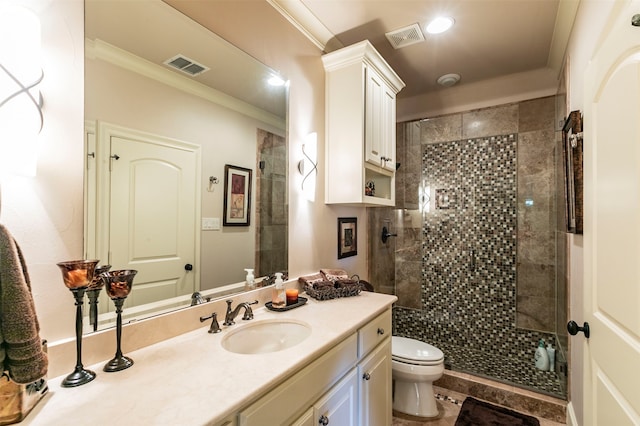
<point>21,118</point>
<point>308,166</point>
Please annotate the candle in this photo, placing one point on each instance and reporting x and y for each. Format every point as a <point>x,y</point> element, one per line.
<point>292,296</point>
<point>76,278</point>
<point>118,289</point>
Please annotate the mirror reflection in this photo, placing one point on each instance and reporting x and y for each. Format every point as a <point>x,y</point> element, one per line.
<point>168,106</point>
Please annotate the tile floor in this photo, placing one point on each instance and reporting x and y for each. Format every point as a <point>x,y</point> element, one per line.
<point>449,404</point>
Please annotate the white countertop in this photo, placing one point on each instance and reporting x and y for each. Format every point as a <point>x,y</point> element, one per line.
<point>191,379</point>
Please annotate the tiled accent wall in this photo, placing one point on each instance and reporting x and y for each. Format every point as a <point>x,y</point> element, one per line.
<point>474,262</point>
<point>271,204</point>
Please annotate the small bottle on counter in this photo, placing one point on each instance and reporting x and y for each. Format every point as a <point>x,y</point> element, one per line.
<point>278,296</point>
<point>250,280</point>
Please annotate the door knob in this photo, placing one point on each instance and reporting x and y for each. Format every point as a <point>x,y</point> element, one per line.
<point>188,267</point>
<point>574,328</point>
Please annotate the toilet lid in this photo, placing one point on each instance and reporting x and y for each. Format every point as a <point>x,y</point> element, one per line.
<point>414,351</point>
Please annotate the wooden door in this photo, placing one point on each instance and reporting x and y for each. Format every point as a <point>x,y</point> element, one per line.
<point>154,215</point>
<point>612,227</point>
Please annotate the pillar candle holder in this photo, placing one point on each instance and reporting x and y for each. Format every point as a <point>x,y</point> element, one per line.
<point>118,286</point>
<point>93,292</point>
<point>77,274</point>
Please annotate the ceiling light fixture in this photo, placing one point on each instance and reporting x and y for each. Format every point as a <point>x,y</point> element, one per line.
<point>276,80</point>
<point>440,24</point>
<point>448,80</point>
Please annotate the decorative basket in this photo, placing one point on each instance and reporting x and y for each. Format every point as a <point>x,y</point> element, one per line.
<point>327,293</point>
<point>331,284</point>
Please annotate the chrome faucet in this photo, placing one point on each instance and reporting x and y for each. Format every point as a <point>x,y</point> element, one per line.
<point>233,313</point>
<point>197,299</point>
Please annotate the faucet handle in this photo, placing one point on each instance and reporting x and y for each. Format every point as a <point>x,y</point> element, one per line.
<point>248,312</point>
<point>215,327</point>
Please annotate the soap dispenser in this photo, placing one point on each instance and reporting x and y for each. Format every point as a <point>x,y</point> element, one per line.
<point>278,296</point>
<point>250,280</point>
<point>541,357</point>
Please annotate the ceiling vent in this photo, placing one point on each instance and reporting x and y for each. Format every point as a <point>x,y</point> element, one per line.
<point>186,65</point>
<point>405,36</point>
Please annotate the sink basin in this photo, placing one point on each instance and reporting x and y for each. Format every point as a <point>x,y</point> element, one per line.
<point>266,336</point>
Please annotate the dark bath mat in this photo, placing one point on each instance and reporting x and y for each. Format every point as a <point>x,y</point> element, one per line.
<point>480,413</point>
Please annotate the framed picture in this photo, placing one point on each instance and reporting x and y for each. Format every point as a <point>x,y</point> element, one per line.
<point>347,236</point>
<point>237,196</point>
<point>573,168</point>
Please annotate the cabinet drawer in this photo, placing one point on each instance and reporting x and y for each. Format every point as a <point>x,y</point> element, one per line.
<point>373,333</point>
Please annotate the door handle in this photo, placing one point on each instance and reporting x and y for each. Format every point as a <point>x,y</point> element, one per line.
<point>574,328</point>
<point>188,267</point>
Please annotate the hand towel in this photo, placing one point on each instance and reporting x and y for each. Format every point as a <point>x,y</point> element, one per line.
<point>21,349</point>
<point>334,274</point>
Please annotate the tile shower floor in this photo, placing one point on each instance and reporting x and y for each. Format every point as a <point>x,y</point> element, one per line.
<point>449,403</point>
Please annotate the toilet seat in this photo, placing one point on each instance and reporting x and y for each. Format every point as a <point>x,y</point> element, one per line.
<point>415,352</point>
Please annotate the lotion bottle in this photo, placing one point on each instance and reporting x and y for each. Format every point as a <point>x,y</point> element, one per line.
<point>250,280</point>
<point>552,357</point>
<point>278,295</point>
<point>541,357</point>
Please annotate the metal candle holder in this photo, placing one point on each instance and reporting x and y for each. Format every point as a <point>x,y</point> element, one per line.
<point>93,291</point>
<point>118,286</point>
<point>77,275</point>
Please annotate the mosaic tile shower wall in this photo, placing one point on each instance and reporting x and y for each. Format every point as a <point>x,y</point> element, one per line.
<point>465,240</point>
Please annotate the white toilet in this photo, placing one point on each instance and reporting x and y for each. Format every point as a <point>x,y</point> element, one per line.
<point>415,366</point>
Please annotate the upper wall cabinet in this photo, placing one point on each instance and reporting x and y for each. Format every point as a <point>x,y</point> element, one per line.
<point>360,158</point>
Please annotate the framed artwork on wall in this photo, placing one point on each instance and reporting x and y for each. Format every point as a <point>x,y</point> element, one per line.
<point>573,167</point>
<point>237,196</point>
<point>347,236</point>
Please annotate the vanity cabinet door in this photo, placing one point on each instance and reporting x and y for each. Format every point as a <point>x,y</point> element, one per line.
<point>374,373</point>
<point>339,405</point>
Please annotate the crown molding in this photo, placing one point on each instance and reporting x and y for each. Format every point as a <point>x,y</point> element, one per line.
<point>98,49</point>
<point>307,23</point>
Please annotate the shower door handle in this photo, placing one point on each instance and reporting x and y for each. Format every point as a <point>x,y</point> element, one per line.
<point>472,260</point>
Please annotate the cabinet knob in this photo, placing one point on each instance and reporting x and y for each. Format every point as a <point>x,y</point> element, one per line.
<point>324,420</point>
<point>366,376</point>
<point>381,331</point>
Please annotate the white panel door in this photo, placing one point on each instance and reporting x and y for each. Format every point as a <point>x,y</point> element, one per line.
<point>338,406</point>
<point>153,217</point>
<point>612,227</point>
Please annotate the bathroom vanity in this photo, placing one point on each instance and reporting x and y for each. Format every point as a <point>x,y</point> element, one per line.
<point>340,372</point>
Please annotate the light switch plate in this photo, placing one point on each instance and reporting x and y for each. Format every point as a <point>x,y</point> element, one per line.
<point>210,223</point>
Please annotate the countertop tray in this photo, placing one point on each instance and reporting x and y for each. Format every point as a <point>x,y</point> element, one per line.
<point>301,301</point>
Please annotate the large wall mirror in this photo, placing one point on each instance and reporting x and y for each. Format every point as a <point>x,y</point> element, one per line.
<point>169,106</point>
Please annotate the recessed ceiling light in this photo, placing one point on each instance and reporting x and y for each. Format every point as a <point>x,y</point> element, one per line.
<point>448,80</point>
<point>440,24</point>
<point>276,80</point>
